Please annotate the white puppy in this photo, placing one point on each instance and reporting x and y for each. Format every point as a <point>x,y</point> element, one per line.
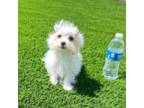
<point>63,60</point>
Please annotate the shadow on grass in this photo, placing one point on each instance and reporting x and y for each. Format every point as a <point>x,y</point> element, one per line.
<point>122,75</point>
<point>85,85</point>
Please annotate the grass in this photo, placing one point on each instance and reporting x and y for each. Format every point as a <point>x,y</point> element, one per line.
<point>99,20</point>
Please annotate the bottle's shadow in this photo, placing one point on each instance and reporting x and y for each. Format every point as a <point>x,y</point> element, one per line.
<point>85,85</point>
<point>122,75</point>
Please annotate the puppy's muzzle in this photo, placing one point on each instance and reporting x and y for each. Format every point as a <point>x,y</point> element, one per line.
<point>63,45</point>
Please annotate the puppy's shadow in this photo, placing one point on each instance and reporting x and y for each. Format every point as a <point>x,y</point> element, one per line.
<point>85,85</point>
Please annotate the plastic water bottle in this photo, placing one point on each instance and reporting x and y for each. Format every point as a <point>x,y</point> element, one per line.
<point>113,57</point>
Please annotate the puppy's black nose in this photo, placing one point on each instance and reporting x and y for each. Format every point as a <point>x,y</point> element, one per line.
<point>63,43</point>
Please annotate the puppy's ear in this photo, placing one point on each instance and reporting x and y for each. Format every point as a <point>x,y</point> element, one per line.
<point>79,35</point>
<point>58,25</point>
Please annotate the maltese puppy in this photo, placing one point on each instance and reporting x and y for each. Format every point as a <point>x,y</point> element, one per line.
<point>63,60</point>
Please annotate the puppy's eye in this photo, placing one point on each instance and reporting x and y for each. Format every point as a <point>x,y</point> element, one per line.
<point>71,38</point>
<point>59,36</point>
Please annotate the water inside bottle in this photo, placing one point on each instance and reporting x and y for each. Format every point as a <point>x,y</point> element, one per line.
<point>110,70</point>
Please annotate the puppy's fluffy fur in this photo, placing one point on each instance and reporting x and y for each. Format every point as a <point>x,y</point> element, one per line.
<point>63,60</point>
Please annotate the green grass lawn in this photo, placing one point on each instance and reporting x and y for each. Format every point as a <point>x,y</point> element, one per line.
<point>99,20</point>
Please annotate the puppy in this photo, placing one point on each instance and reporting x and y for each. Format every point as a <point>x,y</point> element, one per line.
<point>63,60</point>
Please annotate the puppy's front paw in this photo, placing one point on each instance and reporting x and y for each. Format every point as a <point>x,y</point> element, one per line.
<point>68,87</point>
<point>54,81</point>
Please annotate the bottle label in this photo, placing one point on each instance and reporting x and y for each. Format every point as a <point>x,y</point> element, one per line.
<point>114,56</point>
